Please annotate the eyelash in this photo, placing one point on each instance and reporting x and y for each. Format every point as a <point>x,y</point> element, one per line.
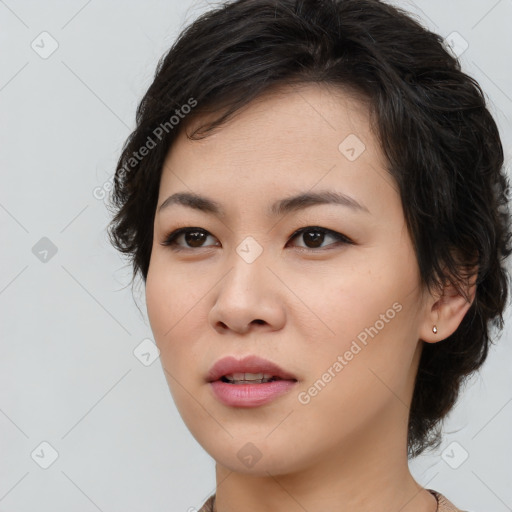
<point>170,239</point>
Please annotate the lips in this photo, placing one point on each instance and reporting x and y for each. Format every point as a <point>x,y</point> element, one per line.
<point>250,364</point>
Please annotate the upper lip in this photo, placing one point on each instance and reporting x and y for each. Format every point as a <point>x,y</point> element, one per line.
<point>248,364</point>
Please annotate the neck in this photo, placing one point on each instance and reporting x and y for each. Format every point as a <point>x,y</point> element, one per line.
<point>368,471</point>
<point>375,478</point>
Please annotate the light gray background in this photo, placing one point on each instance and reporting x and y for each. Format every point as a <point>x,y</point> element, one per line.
<point>69,326</point>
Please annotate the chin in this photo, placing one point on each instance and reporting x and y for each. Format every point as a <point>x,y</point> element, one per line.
<point>256,458</point>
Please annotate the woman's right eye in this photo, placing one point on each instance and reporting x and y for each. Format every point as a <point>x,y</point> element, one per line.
<point>193,238</point>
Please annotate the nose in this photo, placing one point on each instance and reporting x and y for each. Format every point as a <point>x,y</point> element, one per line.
<point>249,297</point>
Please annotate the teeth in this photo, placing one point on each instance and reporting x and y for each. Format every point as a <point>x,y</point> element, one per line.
<point>250,377</point>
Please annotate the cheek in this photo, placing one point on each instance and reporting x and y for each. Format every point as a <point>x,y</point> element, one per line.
<point>363,367</point>
<point>164,309</point>
<point>348,301</point>
<point>367,312</point>
<point>174,298</point>
<point>158,302</point>
<point>170,293</point>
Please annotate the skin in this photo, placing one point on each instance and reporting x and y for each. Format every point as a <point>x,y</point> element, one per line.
<point>297,305</point>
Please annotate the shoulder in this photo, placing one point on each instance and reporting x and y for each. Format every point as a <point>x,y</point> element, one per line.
<point>444,504</point>
<point>208,504</point>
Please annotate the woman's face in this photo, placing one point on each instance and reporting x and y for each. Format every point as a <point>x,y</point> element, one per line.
<point>343,317</point>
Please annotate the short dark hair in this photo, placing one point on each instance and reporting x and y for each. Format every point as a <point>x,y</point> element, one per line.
<point>441,143</point>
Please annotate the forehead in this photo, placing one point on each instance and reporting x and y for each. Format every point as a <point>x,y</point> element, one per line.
<point>290,139</point>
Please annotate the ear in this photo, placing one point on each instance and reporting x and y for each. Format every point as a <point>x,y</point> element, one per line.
<point>445,309</point>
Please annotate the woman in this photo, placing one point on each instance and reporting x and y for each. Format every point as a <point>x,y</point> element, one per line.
<point>315,199</point>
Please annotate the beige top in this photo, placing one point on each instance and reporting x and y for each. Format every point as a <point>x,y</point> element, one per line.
<point>443,504</point>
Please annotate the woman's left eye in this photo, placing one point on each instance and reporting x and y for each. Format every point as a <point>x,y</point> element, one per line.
<point>313,237</point>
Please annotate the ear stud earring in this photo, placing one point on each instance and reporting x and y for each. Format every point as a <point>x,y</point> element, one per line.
<point>434,329</point>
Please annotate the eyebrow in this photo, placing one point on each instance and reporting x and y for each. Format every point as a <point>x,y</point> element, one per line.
<point>280,207</point>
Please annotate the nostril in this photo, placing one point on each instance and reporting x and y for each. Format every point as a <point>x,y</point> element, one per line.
<point>258,321</point>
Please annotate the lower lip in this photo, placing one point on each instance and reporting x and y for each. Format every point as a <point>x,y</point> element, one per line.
<point>250,395</point>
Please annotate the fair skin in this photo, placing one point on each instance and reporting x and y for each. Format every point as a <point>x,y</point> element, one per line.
<point>299,304</point>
